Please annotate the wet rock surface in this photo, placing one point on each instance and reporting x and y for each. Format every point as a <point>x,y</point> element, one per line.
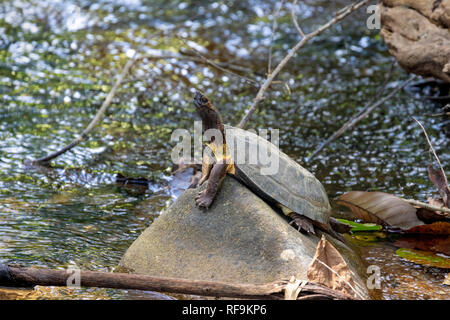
<point>239,239</point>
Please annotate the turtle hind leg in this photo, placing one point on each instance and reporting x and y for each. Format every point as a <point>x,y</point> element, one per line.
<point>302,223</point>
<point>338,226</point>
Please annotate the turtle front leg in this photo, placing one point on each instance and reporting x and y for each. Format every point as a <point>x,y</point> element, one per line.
<point>302,223</point>
<point>206,171</point>
<point>205,198</point>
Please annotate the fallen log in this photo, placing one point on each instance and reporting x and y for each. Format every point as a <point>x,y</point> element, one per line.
<point>18,276</point>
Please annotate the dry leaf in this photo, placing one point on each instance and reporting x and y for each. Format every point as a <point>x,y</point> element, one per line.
<point>329,268</point>
<point>381,208</point>
<point>436,228</point>
<point>440,181</point>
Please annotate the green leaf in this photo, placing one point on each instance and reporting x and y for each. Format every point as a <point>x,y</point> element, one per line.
<point>357,227</point>
<point>424,258</point>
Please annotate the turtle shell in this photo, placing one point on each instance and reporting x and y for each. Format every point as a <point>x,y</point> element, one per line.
<point>275,177</point>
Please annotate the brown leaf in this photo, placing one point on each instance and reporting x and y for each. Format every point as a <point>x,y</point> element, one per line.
<point>329,268</point>
<point>435,228</point>
<point>381,208</point>
<point>440,181</point>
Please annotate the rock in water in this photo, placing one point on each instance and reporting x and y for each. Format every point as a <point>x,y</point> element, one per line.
<point>417,35</point>
<point>240,239</point>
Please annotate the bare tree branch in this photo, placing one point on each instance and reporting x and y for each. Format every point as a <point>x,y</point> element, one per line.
<point>260,95</point>
<point>294,19</point>
<point>352,122</point>
<point>201,59</point>
<point>214,64</point>
<point>274,27</point>
<point>432,150</point>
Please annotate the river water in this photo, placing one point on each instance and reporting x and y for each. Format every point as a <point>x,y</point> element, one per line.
<point>57,63</point>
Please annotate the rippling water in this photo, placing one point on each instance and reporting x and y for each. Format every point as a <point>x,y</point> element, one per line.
<point>57,62</point>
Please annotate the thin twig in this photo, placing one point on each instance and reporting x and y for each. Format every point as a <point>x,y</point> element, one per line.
<point>95,120</point>
<point>274,28</point>
<point>440,114</point>
<point>294,19</point>
<point>427,206</point>
<point>292,52</point>
<point>432,151</point>
<point>219,65</point>
<point>361,115</point>
<point>383,87</point>
<point>214,64</point>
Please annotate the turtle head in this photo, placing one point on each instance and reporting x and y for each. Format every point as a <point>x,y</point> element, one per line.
<point>210,115</point>
<point>202,103</point>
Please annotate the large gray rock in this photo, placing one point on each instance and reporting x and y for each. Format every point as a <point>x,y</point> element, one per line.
<point>239,239</point>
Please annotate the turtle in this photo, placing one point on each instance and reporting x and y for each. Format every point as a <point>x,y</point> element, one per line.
<point>293,189</point>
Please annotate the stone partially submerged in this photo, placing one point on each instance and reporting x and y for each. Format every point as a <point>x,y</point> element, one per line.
<point>240,239</point>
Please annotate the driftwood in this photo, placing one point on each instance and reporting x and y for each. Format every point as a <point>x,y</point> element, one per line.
<point>18,276</point>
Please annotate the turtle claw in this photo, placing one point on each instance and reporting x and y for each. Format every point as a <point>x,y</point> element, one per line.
<point>302,223</point>
<point>294,224</point>
<point>202,199</point>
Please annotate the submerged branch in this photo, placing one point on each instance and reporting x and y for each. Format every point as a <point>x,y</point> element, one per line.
<point>260,95</point>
